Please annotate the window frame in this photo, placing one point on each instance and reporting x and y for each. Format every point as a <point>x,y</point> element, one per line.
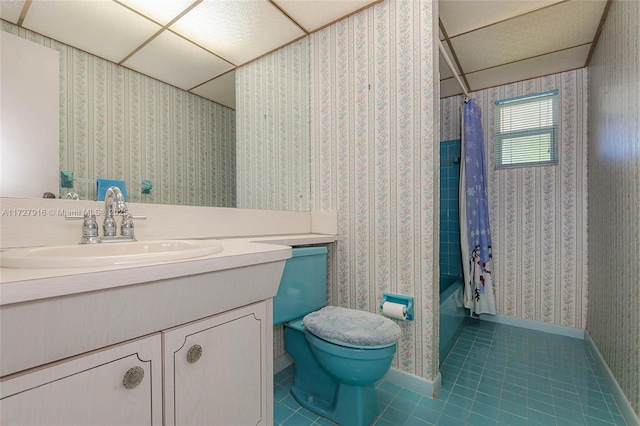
<point>552,130</point>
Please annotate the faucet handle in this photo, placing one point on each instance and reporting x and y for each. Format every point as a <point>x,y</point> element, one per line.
<point>109,226</point>
<point>90,229</point>
<point>126,228</point>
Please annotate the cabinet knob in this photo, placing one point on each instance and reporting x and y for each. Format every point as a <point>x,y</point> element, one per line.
<point>194,353</point>
<point>133,377</point>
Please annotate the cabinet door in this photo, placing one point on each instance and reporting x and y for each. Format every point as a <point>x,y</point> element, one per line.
<point>219,371</point>
<point>120,385</point>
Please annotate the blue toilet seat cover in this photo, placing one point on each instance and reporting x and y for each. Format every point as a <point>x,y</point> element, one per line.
<point>358,328</point>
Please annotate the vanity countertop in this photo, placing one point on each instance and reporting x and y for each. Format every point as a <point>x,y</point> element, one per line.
<point>21,285</point>
<point>292,239</point>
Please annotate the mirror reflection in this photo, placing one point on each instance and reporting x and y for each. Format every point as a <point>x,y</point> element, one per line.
<point>149,95</point>
<point>116,123</point>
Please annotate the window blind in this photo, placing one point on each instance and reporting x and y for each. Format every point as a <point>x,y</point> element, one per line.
<point>527,130</point>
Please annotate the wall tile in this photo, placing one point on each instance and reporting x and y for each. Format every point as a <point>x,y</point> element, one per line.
<point>450,254</point>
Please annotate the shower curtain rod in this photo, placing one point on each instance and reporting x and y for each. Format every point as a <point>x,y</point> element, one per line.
<point>453,70</point>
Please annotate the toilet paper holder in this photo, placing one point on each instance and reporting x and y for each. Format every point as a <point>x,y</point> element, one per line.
<point>400,299</point>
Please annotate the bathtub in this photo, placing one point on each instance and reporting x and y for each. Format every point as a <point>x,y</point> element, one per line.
<point>453,315</point>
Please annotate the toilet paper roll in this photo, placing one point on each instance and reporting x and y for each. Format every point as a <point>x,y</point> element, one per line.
<point>394,310</point>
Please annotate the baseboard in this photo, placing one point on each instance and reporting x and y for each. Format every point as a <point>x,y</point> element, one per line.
<point>282,362</point>
<point>561,330</point>
<point>414,383</point>
<point>630,416</point>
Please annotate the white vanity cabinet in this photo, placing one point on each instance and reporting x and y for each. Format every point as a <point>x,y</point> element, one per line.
<point>68,340</point>
<point>218,371</point>
<point>120,385</point>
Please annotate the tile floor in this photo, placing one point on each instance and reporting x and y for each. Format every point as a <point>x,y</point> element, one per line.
<point>495,375</point>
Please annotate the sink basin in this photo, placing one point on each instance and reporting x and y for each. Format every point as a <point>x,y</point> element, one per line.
<point>108,254</point>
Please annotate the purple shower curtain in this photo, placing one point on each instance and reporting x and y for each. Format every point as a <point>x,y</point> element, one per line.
<point>475,230</point>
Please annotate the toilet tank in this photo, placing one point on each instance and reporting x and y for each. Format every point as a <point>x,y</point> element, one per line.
<point>303,287</point>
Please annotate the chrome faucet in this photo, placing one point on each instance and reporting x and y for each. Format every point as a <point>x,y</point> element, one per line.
<point>113,204</point>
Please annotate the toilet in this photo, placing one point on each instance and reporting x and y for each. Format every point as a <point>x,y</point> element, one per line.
<point>339,354</point>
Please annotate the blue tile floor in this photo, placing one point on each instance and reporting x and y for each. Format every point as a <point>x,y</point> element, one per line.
<point>495,375</point>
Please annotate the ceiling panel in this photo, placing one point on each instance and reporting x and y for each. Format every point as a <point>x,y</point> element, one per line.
<point>161,11</point>
<point>145,35</point>
<point>222,89</point>
<point>188,65</point>
<point>530,68</point>
<point>445,71</point>
<point>238,31</point>
<point>103,28</point>
<point>10,10</point>
<point>496,41</point>
<point>314,14</point>
<point>463,16</point>
<point>449,87</point>
<point>551,29</point>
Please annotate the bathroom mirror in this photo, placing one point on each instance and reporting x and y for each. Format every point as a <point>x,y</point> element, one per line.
<point>68,110</point>
<point>120,124</point>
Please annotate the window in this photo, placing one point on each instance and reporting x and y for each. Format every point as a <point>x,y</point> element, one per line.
<point>527,130</point>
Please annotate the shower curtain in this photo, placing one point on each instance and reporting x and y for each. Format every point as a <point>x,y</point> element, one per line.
<point>475,231</point>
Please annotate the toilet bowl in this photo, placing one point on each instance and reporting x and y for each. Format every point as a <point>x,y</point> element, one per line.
<point>351,365</point>
<point>339,354</point>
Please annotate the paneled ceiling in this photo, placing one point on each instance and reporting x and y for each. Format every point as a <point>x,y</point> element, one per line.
<point>194,45</point>
<point>197,44</point>
<point>496,42</point>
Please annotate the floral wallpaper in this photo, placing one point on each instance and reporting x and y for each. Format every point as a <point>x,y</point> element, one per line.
<point>272,104</point>
<point>116,123</point>
<point>538,214</point>
<point>273,130</point>
<point>372,109</point>
<point>614,197</point>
